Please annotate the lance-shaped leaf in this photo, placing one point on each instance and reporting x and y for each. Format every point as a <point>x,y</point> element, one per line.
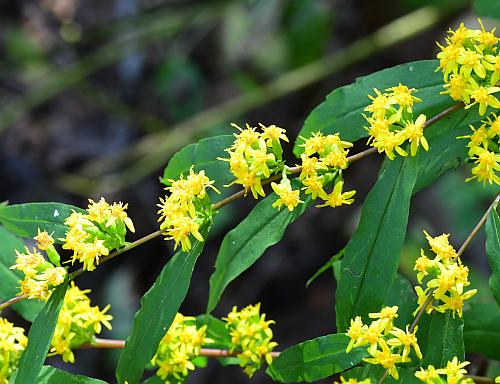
<point>51,375</point>
<point>493,252</point>
<point>315,359</point>
<point>25,219</point>
<point>10,279</point>
<point>40,336</point>
<point>159,306</point>
<point>246,243</point>
<point>445,339</point>
<point>342,111</point>
<point>203,155</point>
<point>372,255</point>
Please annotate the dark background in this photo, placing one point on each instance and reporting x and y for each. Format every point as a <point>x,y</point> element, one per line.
<point>89,90</point>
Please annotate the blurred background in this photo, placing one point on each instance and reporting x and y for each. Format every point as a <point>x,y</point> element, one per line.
<point>96,96</point>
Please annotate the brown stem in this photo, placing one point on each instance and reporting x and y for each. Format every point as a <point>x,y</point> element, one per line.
<point>12,301</point>
<point>136,243</point>
<point>459,253</point>
<point>234,197</point>
<point>481,379</point>
<point>119,344</point>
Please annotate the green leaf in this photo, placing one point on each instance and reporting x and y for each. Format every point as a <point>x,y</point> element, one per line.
<point>203,155</point>
<point>445,150</point>
<point>487,8</point>
<point>372,255</point>
<point>158,308</point>
<point>482,329</point>
<point>9,278</point>
<point>402,294</point>
<point>25,219</point>
<point>216,330</point>
<point>154,380</point>
<point>329,264</point>
<point>40,336</point>
<point>245,244</point>
<point>342,111</point>
<point>51,375</point>
<point>315,359</point>
<point>493,252</point>
<point>445,340</point>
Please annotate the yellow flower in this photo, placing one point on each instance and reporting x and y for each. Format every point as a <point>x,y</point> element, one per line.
<point>389,142</point>
<point>441,246</point>
<point>34,289</point>
<point>455,302</point>
<point>314,144</point>
<point>336,198</point>
<point>250,337</point>
<point>387,359</point>
<point>12,344</point>
<point>355,333</point>
<point>287,196</point>
<point>272,134</point>
<point>423,265</point>
<point>386,316</point>
<point>28,262</point>
<point>406,339</point>
<point>487,166</point>
<point>428,376</point>
<point>402,95</point>
<point>458,88</point>
<point>483,95</point>
<point>448,58</point>
<point>310,166</point>
<point>77,323</point>
<point>313,185</point>
<point>454,370</point>
<point>380,104</point>
<point>471,61</point>
<point>43,240</point>
<point>414,133</point>
<point>53,276</point>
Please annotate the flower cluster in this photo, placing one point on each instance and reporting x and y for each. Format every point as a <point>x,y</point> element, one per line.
<point>12,344</point>
<point>40,275</point>
<point>392,122</point>
<point>352,381</point>
<point>250,337</point>
<point>77,324</point>
<point>255,156</point>
<point>178,348</point>
<point>484,144</point>
<point>185,209</point>
<point>454,372</point>
<point>97,232</point>
<point>388,345</point>
<point>323,160</point>
<point>471,66</point>
<point>445,277</point>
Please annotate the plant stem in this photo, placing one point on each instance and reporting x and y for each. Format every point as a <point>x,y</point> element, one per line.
<point>481,379</point>
<point>236,196</point>
<point>459,253</point>
<point>98,343</point>
<point>12,301</point>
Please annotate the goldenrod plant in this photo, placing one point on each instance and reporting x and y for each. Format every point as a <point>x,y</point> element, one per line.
<point>420,117</point>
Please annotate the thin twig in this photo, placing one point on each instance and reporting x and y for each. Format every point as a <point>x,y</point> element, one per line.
<point>136,243</point>
<point>230,199</point>
<point>98,343</point>
<point>481,379</point>
<point>12,301</point>
<point>459,253</point>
